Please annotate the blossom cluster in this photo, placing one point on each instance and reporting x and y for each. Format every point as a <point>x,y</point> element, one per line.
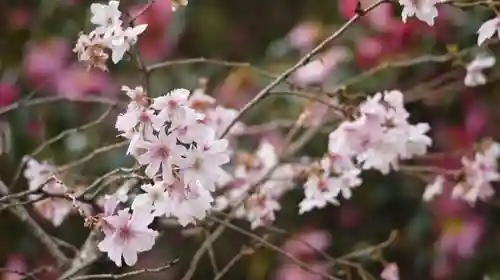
<point>377,138</point>
<point>426,11</point>
<point>477,174</point>
<point>259,208</point>
<point>175,136</point>
<point>109,33</point>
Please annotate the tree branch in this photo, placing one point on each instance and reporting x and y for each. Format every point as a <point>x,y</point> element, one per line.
<point>127,274</point>
<point>304,60</point>
<point>22,214</point>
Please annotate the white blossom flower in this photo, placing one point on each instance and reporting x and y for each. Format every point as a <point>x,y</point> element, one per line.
<point>390,272</point>
<point>41,175</point>
<point>90,50</point>
<point>129,236</point>
<point>488,29</point>
<point>479,173</point>
<point>202,164</point>
<point>192,129</point>
<point>186,202</point>
<point>129,120</point>
<point>424,10</point>
<point>172,106</point>
<point>475,76</point>
<point>105,16</point>
<point>433,189</point>
<point>319,190</point>
<point>138,98</point>
<point>261,209</point>
<point>337,176</point>
<point>162,152</point>
<point>124,39</point>
<point>220,118</point>
<point>155,198</point>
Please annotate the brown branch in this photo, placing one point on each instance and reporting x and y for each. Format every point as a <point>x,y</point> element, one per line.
<point>312,97</point>
<point>27,275</point>
<point>51,99</point>
<point>244,251</point>
<point>56,138</point>
<point>370,250</point>
<point>200,60</point>
<point>270,245</point>
<point>141,66</point>
<point>88,254</point>
<point>127,274</point>
<point>304,60</point>
<point>93,154</point>
<point>211,253</point>
<point>22,214</point>
<point>102,178</point>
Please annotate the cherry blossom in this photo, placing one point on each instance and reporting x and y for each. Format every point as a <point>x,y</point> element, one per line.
<point>262,204</point>
<point>381,136</point>
<point>129,235</point>
<point>260,209</point>
<point>42,175</point>
<point>202,163</point>
<point>475,76</point>
<point>336,176</point>
<point>123,39</point>
<point>172,106</point>
<point>479,172</point>
<point>434,188</point>
<point>161,152</point>
<point>155,197</point>
<point>488,29</point>
<point>390,272</point>
<point>186,202</point>
<point>106,16</point>
<point>109,33</point>
<point>424,10</point>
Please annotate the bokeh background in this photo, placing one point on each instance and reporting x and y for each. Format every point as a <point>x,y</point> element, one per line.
<point>444,239</point>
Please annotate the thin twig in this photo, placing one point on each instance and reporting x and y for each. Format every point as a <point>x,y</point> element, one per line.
<point>244,251</point>
<point>20,203</point>
<point>51,99</point>
<point>270,245</point>
<point>199,60</point>
<point>211,254</point>
<point>25,275</point>
<point>65,244</point>
<point>100,179</point>
<point>304,60</point>
<point>56,138</point>
<point>87,255</point>
<point>312,97</point>
<point>141,66</point>
<point>23,215</point>
<point>127,274</point>
<point>370,250</point>
<point>93,154</point>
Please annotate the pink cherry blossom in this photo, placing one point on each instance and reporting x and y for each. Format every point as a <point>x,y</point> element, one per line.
<point>202,164</point>
<point>129,236</point>
<point>390,272</point>
<point>162,152</point>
